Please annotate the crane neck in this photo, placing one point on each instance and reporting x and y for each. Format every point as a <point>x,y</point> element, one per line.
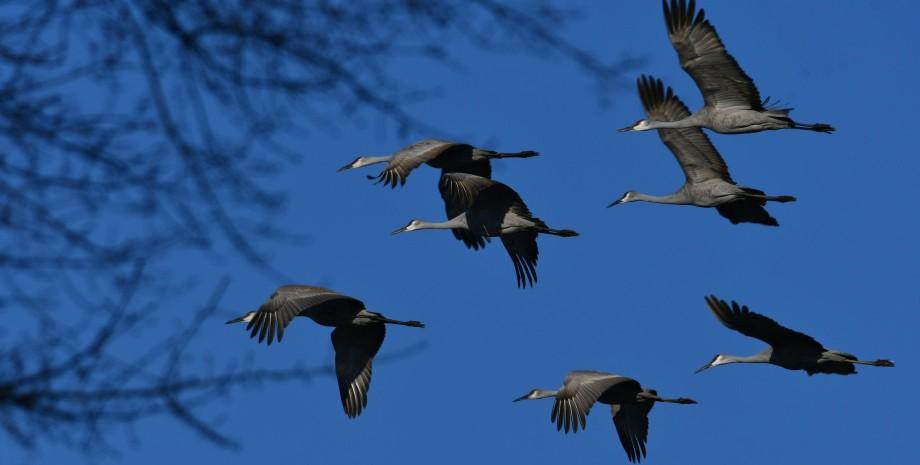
<point>369,160</point>
<point>688,122</point>
<point>544,393</point>
<point>761,357</point>
<point>457,222</point>
<point>678,198</point>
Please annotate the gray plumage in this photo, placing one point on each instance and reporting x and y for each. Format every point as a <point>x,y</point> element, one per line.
<point>629,403</point>
<point>487,208</point>
<point>732,101</point>
<point>708,183</point>
<point>357,336</point>
<point>450,157</point>
<point>789,349</point>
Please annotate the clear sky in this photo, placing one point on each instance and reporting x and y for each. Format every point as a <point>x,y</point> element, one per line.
<point>627,295</point>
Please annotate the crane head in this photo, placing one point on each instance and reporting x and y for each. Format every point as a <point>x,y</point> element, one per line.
<point>412,226</point>
<point>639,125</point>
<point>716,361</point>
<point>356,163</point>
<point>527,396</point>
<point>536,394</point>
<point>627,197</point>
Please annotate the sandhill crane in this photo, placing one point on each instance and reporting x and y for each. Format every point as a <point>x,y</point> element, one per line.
<point>450,157</point>
<point>789,349</point>
<point>732,102</point>
<point>357,336</point>
<point>488,208</point>
<point>629,403</point>
<point>708,183</point>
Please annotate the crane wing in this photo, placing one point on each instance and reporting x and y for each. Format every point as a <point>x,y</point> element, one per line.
<point>490,202</point>
<point>579,392</point>
<point>410,158</point>
<point>286,303</point>
<point>697,157</point>
<point>460,190</point>
<point>458,196</point>
<point>476,196</point>
<point>464,191</point>
<point>747,210</point>
<point>751,324</point>
<point>703,56</point>
<point>631,422</point>
<point>522,248</point>
<point>355,348</point>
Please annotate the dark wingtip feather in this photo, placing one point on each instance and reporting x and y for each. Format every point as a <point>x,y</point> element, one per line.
<point>264,324</point>
<point>711,300</point>
<point>700,17</point>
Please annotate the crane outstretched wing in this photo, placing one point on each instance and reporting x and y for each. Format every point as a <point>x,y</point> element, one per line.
<point>458,190</point>
<point>579,392</point>
<point>751,324</point>
<point>747,210</point>
<point>289,301</point>
<point>355,348</point>
<point>631,422</point>
<point>410,158</point>
<point>697,157</point>
<point>703,56</point>
<point>522,248</point>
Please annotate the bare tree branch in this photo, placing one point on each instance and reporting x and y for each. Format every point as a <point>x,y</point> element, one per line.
<point>133,132</point>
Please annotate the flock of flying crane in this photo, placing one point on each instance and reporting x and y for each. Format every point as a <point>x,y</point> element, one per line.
<point>479,208</point>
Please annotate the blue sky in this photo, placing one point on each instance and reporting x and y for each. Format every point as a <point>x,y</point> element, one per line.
<point>627,295</point>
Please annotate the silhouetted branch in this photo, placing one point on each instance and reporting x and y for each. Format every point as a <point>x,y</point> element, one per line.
<point>133,131</point>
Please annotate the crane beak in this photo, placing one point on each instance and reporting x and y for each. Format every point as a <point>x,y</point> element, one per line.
<point>395,232</point>
<point>615,203</point>
<point>524,397</point>
<point>626,129</point>
<point>346,167</point>
<point>704,367</point>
